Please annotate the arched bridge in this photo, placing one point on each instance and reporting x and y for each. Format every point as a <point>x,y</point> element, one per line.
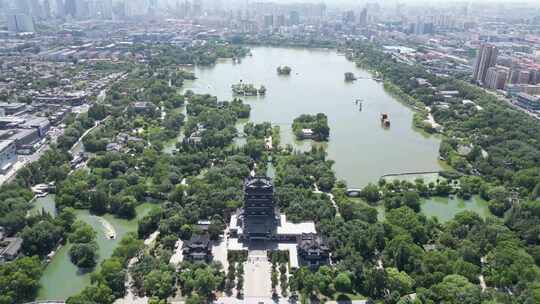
<point>353,192</point>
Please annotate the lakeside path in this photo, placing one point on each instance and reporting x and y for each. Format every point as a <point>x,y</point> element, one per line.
<point>330,196</point>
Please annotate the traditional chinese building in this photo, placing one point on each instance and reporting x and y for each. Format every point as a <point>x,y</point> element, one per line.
<point>198,248</point>
<point>312,251</point>
<point>259,212</point>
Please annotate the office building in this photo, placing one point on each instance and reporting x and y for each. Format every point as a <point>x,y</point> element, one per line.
<point>487,57</point>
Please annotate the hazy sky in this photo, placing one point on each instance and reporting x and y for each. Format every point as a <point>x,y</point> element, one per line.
<point>329,2</point>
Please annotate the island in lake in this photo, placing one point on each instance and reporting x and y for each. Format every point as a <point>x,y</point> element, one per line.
<point>311,127</point>
<point>284,70</point>
<point>248,89</point>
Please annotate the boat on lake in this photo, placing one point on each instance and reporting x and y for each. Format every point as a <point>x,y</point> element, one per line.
<point>385,120</point>
<point>350,77</point>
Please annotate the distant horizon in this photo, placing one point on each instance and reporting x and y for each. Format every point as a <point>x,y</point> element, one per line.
<point>361,2</point>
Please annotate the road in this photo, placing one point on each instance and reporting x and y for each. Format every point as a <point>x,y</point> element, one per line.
<point>23,161</point>
<point>510,103</point>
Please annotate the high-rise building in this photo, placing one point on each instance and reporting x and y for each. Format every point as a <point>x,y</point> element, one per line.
<point>514,76</point>
<point>135,8</point>
<point>268,21</point>
<point>23,6</point>
<point>348,17</point>
<point>487,57</point>
<point>59,9</point>
<point>524,77</point>
<point>82,9</point>
<point>496,77</point>
<point>280,21</point>
<point>363,20</point>
<point>70,8</point>
<point>36,10</point>
<point>46,9</point>
<point>197,8</point>
<point>19,23</point>
<point>421,27</point>
<point>294,18</point>
<point>100,9</point>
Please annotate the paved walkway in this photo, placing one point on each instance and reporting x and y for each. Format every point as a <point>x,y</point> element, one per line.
<point>330,196</point>
<point>257,278</point>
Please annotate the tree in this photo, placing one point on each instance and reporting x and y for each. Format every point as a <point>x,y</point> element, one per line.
<point>454,289</point>
<point>194,299</point>
<point>124,206</point>
<point>100,293</point>
<point>41,238</point>
<point>402,253</point>
<point>83,255</point>
<point>399,281</point>
<point>66,218</point>
<point>343,282</point>
<point>19,280</point>
<point>159,283</point>
<point>499,202</point>
<point>98,202</point>
<point>206,282</point>
<point>411,199</point>
<point>508,265</point>
<point>112,273</point>
<point>83,233</point>
<point>371,193</point>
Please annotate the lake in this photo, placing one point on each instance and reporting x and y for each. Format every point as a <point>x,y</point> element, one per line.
<point>443,208</point>
<point>363,151</point>
<point>61,279</point>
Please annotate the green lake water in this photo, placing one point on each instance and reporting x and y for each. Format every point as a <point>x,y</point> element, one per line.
<point>61,278</point>
<point>444,208</point>
<point>363,151</point>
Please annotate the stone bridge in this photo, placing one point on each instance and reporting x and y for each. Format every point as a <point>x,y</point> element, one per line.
<point>353,192</point>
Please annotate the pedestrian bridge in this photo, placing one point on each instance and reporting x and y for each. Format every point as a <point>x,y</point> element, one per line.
<point>353,192</point>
